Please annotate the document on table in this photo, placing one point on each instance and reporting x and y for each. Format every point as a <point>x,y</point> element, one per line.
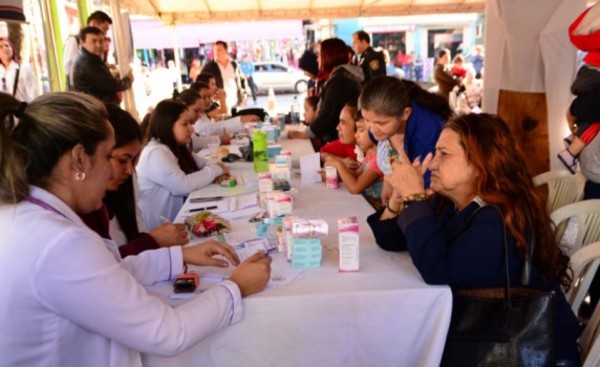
<point>310,165</point>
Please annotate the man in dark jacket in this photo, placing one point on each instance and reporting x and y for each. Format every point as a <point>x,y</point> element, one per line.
<point>371,61</point>
<point>228,76</point>
<point>90,73</point>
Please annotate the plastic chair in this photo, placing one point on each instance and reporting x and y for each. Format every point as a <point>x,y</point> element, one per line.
<point>584,263</point>
<point>563,187</point>
<point>587,215</point>
<point>590,340</point>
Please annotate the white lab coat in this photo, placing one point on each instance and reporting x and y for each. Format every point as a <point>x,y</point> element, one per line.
<point>27,88</point>
<point>164,186</point>
<point>68,299</point>
<point>205,127</point>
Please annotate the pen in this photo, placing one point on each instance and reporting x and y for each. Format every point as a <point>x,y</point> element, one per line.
<point>200,209</point>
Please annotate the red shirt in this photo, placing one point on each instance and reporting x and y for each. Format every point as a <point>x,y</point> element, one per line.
<point>339,149</point>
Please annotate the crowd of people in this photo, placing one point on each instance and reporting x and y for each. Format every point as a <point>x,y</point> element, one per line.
<point>87,196</point>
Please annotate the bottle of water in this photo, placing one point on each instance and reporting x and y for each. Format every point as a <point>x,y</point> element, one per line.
<point>295,111</point>
<point>260,150</point>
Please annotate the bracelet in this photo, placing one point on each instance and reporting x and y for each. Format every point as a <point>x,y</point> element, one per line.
<point>413,198</point>
<point>395,212</point>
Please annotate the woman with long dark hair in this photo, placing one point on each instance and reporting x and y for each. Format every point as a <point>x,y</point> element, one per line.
<point>457,236</point>
<point>168,171</point>
<point>119,219</point>
<point>342,84</point>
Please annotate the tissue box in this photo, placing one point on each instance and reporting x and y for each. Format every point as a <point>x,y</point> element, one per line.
<point>306,252</point>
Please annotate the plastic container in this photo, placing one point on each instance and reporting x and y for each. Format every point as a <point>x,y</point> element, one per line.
<point>261,153</point>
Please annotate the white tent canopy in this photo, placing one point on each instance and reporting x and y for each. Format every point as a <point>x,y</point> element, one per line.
<point>193,11</point>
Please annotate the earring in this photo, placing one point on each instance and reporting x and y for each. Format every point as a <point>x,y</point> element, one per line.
<point>80,176</point>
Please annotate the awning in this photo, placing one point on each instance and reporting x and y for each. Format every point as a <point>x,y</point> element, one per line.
<point>12,10</point>
<point>194,11</point>
<point>154,34</point>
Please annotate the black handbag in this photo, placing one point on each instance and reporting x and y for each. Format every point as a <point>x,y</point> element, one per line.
<point>503,326</point>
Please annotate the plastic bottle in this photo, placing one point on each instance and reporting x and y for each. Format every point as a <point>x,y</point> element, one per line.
<point>260,150</point>
<point>295,111</point>
<point>271,101</point>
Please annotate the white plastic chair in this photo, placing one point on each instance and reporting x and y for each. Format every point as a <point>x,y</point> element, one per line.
<point>563,187</point>
<point>587,216</point>
<point>584,263</point>
<point>590,340</point>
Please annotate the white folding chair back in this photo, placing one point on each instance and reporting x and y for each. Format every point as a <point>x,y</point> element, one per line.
<point>590,340</point>
<point>584,263</point>
<point>587,216</point>
<point>563,187</point>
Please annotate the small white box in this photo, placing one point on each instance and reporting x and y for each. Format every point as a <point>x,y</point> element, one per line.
<point>348,244</point>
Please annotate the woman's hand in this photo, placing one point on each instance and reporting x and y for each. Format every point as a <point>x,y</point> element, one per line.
<point>170,234</point>
<point>203,253</point>
<point>407,178</point>
<point>222,178</point>
<point>224,168</point>
<point>253,274</point>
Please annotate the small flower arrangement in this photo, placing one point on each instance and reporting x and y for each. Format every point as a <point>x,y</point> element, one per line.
<point>205,224</point>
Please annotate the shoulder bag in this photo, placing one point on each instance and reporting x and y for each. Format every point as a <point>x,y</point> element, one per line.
<point>505,326</point>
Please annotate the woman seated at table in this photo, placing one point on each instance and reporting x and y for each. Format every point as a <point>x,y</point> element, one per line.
<point>477,164</point>
<point>218,98</point>
<point>119,219</point>
<point>206,126</point>
<point>343,82</point>
<point>167,170</point>
<point>67,298</point>
<point>195,102</point>
<point>344,147</point>
<point>401,116</point>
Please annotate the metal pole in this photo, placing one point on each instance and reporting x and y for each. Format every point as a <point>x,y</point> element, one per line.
<point>51,34</point>
<point>124,62</point>
<point>176,54</point>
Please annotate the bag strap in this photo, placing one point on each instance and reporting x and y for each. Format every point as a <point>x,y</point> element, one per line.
<point>16,81</point>
<point>525,277</point>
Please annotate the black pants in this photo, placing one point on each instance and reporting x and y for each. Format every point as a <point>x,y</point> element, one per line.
<point>253,88</point>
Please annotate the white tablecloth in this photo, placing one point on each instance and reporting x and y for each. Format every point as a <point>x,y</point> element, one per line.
<point>383,315</point>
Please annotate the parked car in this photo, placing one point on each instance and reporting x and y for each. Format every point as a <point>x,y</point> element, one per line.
<point>278,76</point>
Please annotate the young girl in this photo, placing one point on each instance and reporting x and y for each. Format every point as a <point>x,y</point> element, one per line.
<point>218,98</point>
<point>344,146</point>
<point>402,116</point>
<point>119,218</point>
<point>168,171</point>
<point>310,110</point>
<point>370,178</point>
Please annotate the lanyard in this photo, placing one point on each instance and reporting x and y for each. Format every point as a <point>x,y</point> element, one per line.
<point>44,205</point>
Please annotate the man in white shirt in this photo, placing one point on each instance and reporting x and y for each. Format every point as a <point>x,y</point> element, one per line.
<point>228,76</point>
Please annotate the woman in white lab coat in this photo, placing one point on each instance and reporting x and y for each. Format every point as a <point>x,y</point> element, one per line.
<point>167,170</point>
<point>67,299</point>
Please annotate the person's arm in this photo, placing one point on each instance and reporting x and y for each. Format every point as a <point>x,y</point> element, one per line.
<point>96,75</point>
<point>387,234</point>
<point>474,256</point>
<point>355,184</point>
<point>443,77</point>
<point>84,289</point>
<point>165,171</point>
<point>138,245</point>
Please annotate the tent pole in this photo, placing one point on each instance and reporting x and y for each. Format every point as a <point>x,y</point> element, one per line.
<point>124,67</point>
<point>51,35</point>
<point>176,55</point>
